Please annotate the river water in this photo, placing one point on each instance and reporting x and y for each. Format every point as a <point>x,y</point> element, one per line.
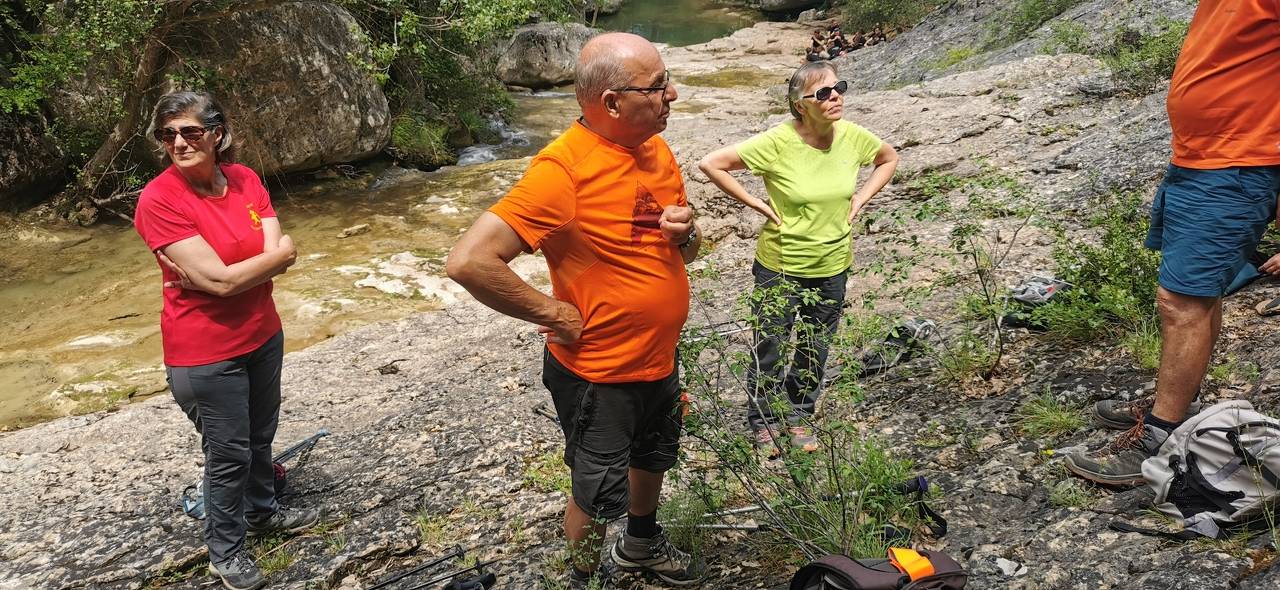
<point>80,306</point>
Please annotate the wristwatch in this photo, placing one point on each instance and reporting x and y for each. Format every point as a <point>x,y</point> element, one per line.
<point>693,235</point>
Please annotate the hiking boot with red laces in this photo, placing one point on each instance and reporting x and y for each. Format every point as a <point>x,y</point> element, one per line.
<point>659,557</point>
<point>1120,462</point>
<point>802,438</point>
<point>1122,415</point>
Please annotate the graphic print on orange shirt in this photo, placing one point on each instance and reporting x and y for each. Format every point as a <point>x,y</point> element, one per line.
<point>645,216</point>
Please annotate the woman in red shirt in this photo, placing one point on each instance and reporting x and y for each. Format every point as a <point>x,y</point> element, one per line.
<point>218,242</point>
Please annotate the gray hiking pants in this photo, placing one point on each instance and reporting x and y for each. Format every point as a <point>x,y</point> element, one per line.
<point>814,320</point>
<point>235,405</point>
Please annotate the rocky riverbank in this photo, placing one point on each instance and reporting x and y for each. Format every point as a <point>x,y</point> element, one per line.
<point>435,441</point>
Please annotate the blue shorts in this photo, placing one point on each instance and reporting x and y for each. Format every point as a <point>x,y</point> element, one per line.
<point>1207,222</point>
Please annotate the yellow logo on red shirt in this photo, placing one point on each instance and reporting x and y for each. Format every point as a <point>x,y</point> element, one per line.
<point>254,218</point>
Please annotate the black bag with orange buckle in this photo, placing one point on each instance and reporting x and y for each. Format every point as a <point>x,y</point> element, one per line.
<point>904,569</point>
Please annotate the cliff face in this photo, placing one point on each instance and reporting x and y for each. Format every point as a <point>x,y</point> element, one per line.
<point>442,446</point>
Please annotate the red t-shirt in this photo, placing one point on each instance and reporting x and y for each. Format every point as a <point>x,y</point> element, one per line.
<point>198,328</point>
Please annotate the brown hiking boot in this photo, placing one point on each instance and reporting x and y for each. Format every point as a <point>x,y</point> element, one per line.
<point>1122,415</point>
<point>765,443</point>
<point>1120,462</point>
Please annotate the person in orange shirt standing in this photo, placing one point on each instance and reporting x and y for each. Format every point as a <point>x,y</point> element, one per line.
<point>606,205</point>
<point>1218,196</point>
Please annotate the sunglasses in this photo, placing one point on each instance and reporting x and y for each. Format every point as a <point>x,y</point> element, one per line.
<point>190,134</point>
<point>825,92</point>
<point>647,90</point>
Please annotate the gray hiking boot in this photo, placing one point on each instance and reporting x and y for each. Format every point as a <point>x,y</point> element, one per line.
<point>601,579</point>
<point>660,557</point>
<point>239,572</point>
<point>287,520</point>
<point>1120,462</point>
<point>1122,415</point>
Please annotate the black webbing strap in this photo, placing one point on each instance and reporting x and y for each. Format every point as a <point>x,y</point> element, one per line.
<point>919,486</point>
<point>1252,460</point>
<point>1125,527</point>
<point>1197,481</point>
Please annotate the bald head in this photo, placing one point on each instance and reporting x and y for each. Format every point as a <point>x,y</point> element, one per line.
<point>608,61</point>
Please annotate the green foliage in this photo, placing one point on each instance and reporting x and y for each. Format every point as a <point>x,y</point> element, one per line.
<point>1046,418</point>
<point>686,510</point>
<point>1070,493</point>
<point>432,528</point>
<point>1113,280</point>
<point>953,56</point>
<point>1139,63</point>
<point>548,473</point>
<point>1235,371</point>
<point>1144,344</point>
<point>421,142</point>
<point>1066,36</point>
<point>862,15</point>
<point>1025,17</point>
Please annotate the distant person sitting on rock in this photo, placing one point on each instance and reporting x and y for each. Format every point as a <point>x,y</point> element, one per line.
<point>812,55</point>
<point>606,205</point>
<point>810,167</point>
<point>1218,196</point>
<point>210,223</point>
<point>858,41</point>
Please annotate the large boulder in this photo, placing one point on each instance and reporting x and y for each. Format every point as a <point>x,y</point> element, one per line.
<point>31,165</point>
<point>787,5</point>
<point>542,55</point>
<point>291,79</point>
<point>603,7</point>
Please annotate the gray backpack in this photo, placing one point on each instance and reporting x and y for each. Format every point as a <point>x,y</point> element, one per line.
<point>1218,470</point>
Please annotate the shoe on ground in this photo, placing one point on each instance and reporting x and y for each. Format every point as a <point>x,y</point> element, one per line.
<point>239,572</point>
<point>1269,308</point>
<point>287,520</point>
<point>659,557</point>
<point>765,443</point>
<point>802,438</point>
<point>1119,463</point>
<point>1122,415</point>
<point>604,578</point>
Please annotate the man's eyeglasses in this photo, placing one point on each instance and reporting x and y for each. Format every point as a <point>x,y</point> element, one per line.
<point>190,134</point>
<point>647,90</point>
<point>824,93</point>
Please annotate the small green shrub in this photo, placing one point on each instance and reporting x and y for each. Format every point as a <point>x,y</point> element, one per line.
<point>420,142</point>
<point>1045,417</point>
<point>1024,18</point>
<point>1144,344</point>
<point>548,473</point>
<point>1067,37</point>
<point>1139,63</point>
<point>1070,493</point>
<point>862,15</point>
<point>954,56</point>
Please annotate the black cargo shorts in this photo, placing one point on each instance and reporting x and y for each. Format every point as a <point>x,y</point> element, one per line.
<point>610,427</point>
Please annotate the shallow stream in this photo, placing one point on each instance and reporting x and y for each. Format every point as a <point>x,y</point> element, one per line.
<point>80,307</point>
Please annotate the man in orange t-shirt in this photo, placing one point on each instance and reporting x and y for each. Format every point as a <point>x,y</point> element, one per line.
<point>1217,198</point>
<point>606,205</point>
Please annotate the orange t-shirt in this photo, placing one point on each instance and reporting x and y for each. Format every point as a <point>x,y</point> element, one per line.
<point>592,207</point>
<point>1224,100</point>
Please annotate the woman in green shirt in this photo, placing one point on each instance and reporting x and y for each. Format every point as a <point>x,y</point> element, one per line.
<point>810,168</point>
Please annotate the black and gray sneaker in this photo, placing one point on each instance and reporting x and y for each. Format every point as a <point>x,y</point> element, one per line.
<point>1122,415</point>
<point>601,579</point>
<point>660,557</point>
<point>286,520</point>
<point>1119,463</point>
<point>239,572</point>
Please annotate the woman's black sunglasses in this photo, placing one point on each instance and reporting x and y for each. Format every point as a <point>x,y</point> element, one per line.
<point>825,92</point>
<point>190,133</point>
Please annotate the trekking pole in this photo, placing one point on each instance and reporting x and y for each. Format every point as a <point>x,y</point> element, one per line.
<point>444,577</point>
<point>474,583</point>
<point>303,445</point>
<point>541,410</point>
<point>456,552</point>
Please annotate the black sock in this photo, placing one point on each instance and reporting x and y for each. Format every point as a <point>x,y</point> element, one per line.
<point>643,527</point>
<point>1164,425</point>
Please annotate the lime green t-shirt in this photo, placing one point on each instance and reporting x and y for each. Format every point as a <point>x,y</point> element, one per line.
<point>811,190</point>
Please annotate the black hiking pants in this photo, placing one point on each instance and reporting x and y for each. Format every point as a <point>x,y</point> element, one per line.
<point>235,405</point>
<point>814,317</point>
